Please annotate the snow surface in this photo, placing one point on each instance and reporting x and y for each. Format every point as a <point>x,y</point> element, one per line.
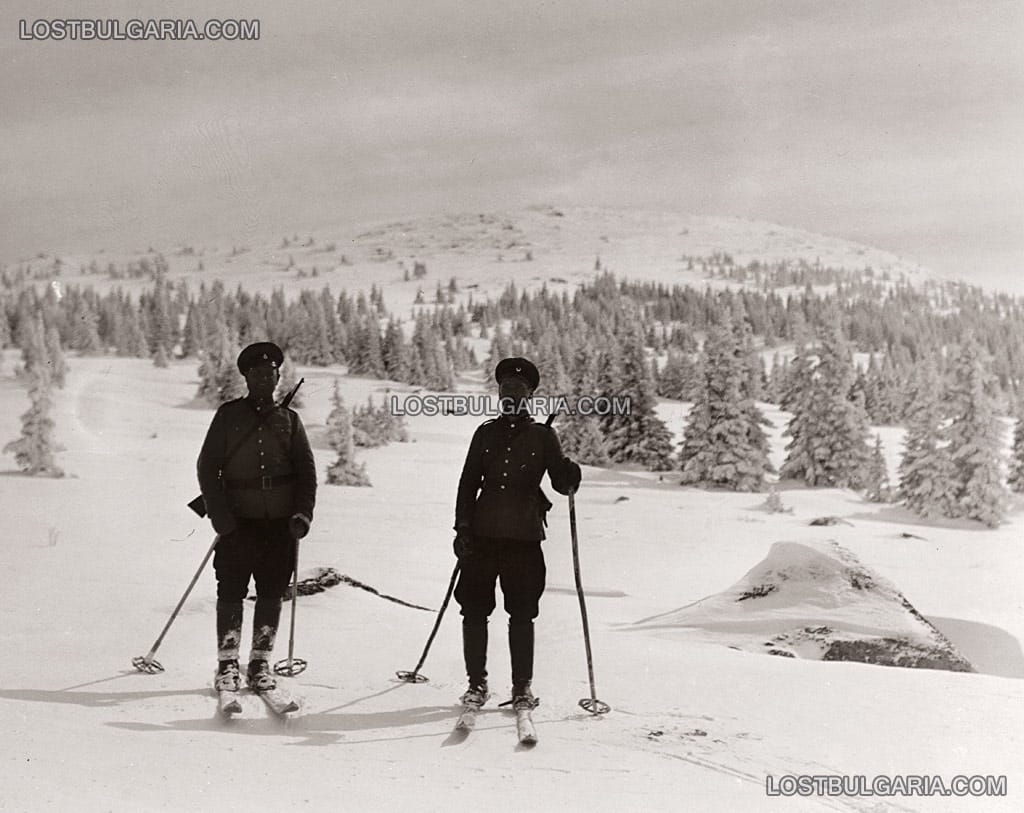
<point>95,562</point>
<point>809,596</point>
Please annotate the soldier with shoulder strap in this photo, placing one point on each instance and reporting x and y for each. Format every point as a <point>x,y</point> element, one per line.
<point>258,480</point>
<point>500,516</point>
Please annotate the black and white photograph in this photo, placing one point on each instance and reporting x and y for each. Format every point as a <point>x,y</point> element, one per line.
<point>561,405</point>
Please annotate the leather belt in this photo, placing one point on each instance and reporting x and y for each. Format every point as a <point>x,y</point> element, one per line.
<point>259,483</point>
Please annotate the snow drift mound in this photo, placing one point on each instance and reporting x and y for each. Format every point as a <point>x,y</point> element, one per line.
<point>817,601</point>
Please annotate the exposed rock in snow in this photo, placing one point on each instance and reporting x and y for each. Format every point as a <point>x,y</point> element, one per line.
<point>816,600</point>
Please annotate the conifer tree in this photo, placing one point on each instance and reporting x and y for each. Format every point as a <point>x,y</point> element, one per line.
<point>891,398</point>
<point>926,483</point>
<point>219,379</point>
<point>5,328</point>
<point>160,357</point>
<point>395,353</point>
<point>1016,474</point>
<point>344,471</point>
<point>580,434</point>
<point>974,438</point>
<point>308,341</point>
<point>133,336</point>
<point>640,437</point>
<point>376,426</point>
<point>681,378</point>
<point>367,357</point>
<point>876,478</point>
<point>724,444</point>
<point>34,450</point>
<point>828,428</point>
<point>554,380</point>
<point>163,328</point>
<point>58,366</point>
<point>776,379</point>
<point>85,335</point>
<point>32,340</point>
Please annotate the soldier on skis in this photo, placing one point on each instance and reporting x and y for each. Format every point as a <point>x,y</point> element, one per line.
<point>500,516</point>
<point>258,480</point>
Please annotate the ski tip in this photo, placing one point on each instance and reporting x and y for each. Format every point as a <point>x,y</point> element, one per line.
<point>228,704</point>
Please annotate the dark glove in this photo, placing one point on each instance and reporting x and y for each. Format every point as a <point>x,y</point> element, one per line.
<point>298,525</point>
<point>463,544</point>
<point>224,524</point>
<point>573,475</point>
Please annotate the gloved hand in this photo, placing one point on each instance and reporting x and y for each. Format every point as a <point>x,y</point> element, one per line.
<point>573,475</point>
<point>463,544</point>
<point>224,524</point>
<point>298,525</point>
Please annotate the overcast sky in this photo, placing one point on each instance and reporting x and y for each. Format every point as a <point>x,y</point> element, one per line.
<point>898,124</point>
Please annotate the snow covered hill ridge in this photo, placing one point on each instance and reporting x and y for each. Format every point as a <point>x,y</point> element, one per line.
<point>816,600</point>
<point>614,235</point>
<point>542,243</point>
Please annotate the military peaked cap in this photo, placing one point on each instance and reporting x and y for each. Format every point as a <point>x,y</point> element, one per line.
<point>260,353</point>
<point>520,367</point>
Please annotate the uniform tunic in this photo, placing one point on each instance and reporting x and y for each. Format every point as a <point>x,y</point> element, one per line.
<point>500,503</point>
<point>271,476</point>
<point>250,498</point>
<point>499,491</point>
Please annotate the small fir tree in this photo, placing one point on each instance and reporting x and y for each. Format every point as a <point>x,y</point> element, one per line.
<point>34,450</point>
<point>1016,474</point>
<point>344,471</point>
<point>876,479</point>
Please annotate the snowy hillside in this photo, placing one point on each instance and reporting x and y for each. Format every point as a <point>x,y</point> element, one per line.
<point>95,563</point>
<point>484,252</point>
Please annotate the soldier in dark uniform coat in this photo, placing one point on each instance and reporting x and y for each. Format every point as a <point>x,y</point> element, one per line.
<point>259,496</point>
<point>499,522</point>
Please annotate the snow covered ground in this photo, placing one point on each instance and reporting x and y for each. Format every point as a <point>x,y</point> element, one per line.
<point>94,564</point>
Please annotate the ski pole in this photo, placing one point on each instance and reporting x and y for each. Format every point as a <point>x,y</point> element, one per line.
<point>414,676</point>
<point>147,663</point>
<point>292,666</point>
<point>591,704</point>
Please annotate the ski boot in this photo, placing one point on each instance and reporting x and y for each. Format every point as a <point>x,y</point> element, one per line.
<point>476,695</point>
<point>522,697</point>
<point>227,678</point>
<point>259,677</point>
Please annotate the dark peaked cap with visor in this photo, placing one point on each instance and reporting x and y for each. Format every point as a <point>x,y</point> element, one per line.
<point>260,353</point>
<point>520,367</point>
